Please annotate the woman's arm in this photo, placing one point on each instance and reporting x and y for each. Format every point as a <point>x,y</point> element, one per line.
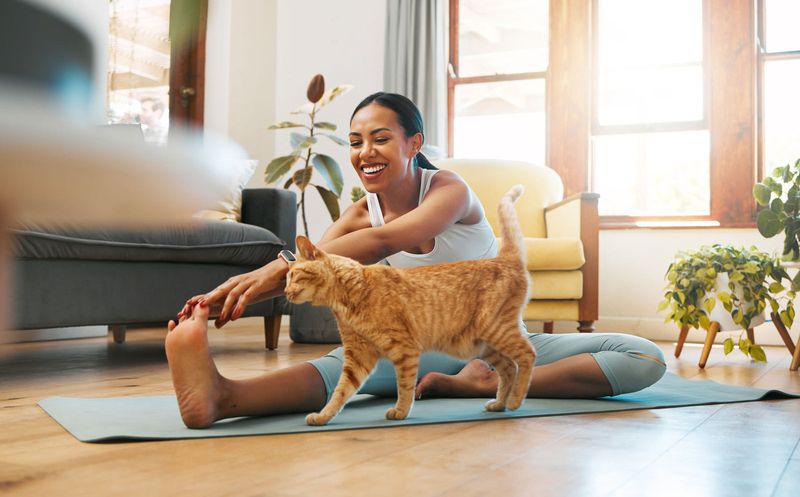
<point>448,201</point>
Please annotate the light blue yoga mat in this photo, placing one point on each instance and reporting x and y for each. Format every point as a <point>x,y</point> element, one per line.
<point>157,418</point>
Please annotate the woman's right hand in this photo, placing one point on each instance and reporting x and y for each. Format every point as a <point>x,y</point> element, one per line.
<point>228,300</point>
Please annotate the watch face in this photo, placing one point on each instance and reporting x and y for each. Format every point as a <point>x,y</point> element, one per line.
<point>288,255</point>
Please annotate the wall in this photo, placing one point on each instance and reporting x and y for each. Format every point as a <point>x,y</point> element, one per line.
<point>240,75</point>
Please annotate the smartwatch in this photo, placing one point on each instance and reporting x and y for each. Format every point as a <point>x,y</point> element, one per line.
<point>287,256</point>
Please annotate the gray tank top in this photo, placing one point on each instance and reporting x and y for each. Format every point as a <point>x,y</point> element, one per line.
<point>456,243</point>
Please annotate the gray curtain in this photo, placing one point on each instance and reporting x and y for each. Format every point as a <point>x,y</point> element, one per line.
<point>414,63</point>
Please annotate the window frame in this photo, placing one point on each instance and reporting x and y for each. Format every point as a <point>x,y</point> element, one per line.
<point>454,80</point>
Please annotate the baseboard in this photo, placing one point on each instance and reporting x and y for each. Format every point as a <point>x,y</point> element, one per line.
<point>656,329</point>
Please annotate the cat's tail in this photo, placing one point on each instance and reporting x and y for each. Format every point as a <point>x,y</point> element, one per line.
<point>513,243</point>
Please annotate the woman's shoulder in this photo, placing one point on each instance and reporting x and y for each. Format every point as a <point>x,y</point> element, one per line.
<point>443,178</point>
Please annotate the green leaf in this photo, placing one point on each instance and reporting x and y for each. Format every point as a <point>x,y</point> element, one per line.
<point>330,171</point>
<point>306,108</point>
<point>744,345</point>
<point>661,305</point>
<point>336,139</point>
<point>727,346</point>
<point>286,124</point>
<point>302,177</point>
<point>776,206</point>
<point>724,297</point>
<point>785,319</point>
<point>776,287</point>
<point>761,193</point>
<point>324,125</point>
<point>709,304</point>
<point>300,141</point>
<point>705,323</point>
<point>758,354</point>
<point>331,201</point>
<point>769,223</point>
<point>279,166</point>
<point>289,182</point>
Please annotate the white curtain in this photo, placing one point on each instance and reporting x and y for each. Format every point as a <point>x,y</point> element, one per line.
<point>414,63</point>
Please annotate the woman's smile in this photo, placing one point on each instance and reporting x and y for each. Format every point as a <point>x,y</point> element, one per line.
<point>374,169</point>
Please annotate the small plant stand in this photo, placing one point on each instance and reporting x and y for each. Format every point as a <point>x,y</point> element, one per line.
<point>715,328</point>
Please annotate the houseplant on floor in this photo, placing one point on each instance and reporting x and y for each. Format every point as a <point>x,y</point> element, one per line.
<point>310,324</point>
<point>721,287</point>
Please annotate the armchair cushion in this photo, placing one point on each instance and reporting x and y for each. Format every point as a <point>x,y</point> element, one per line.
<point>557,285</point>
<point>553,254</point>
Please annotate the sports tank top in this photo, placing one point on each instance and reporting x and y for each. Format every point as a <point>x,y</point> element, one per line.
<point>456,243</point>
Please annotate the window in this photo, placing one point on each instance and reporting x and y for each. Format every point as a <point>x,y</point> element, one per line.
<point>651,103</point>
<point>649,152</point>
<point>497,75</point>
<point>780,71</point>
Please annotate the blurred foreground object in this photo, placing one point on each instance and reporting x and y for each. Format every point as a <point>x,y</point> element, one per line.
<point>55,168</point>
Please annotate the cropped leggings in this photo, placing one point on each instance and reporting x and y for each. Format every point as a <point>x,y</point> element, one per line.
<point>630,363</point>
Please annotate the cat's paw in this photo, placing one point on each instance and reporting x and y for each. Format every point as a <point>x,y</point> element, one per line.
<point>317,419</point>
<point>495,405</point>
<point>513,404</point>
<point>396,414</point>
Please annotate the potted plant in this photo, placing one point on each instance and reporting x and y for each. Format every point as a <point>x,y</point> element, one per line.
<point>311,324</point>
<point>303,153</point>
<point>743,282</point>
<point>780,193</point>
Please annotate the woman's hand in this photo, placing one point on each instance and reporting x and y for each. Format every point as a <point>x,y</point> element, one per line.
<point>229,299</point>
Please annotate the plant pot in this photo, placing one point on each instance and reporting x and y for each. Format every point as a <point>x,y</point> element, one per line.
<point>313,324</point>
<point>722,316</point>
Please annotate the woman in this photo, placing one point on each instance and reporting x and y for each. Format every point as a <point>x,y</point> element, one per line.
<point>413,215</point>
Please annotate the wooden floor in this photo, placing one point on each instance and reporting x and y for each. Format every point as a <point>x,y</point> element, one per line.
<point>748,449</point>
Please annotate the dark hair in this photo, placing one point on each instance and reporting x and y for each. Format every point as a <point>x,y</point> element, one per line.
<point>408,116</point>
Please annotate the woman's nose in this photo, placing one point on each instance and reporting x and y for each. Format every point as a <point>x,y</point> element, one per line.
<point>366,151</point>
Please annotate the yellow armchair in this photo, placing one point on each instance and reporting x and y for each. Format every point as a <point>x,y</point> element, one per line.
<point>561,236</point>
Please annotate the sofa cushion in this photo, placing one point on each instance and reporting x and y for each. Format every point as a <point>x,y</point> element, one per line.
<point>557,285</point>
<point>204,241</point>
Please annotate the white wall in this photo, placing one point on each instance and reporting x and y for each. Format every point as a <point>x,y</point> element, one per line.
<point>240,75</point>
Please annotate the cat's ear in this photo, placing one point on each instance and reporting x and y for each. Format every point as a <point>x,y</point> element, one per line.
<point>306,249</point>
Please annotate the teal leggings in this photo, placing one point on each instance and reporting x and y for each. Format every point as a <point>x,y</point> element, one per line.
<point>630,363</point>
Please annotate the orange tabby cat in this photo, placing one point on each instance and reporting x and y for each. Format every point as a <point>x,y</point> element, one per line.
<point>465,309</point>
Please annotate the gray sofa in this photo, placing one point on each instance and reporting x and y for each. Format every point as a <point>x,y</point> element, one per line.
<point>77,277</point>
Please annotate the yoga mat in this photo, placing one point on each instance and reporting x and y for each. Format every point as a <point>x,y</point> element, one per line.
<point>157,418</point>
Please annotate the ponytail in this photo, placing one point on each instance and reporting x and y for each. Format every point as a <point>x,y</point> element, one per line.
<point>422,162</point>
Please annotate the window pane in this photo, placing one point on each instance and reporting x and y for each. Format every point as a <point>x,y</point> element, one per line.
<point>138,66</point>
<point>652,174</point>
<point>781,111</point>
<point>502,36</point>
<point>503,120</point>
<point>782,34</point>
<point>650,58</point>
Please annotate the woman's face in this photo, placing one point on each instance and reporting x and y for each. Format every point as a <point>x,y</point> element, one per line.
<point>379,150</point>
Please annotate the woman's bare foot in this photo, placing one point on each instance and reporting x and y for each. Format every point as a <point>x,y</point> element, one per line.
<point>198,384</point>
<point>476,379</point>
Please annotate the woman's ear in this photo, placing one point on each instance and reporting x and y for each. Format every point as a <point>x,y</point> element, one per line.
<point>416,143</point>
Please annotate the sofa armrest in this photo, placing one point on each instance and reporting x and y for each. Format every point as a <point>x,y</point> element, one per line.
<point>273,209</point>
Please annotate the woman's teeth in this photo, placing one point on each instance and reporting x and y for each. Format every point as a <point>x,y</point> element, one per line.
<point>372,169</point>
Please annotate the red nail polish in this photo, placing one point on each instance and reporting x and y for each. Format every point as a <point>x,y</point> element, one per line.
<point>203,303</point>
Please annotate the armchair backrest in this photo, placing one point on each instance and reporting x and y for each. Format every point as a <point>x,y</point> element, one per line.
<point>491,178</point>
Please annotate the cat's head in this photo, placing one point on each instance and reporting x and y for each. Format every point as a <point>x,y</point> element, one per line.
<point>309,277</point>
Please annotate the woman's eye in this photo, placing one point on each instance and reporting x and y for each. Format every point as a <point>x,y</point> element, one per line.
<point>381,140</point>
<point>355,144</point>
